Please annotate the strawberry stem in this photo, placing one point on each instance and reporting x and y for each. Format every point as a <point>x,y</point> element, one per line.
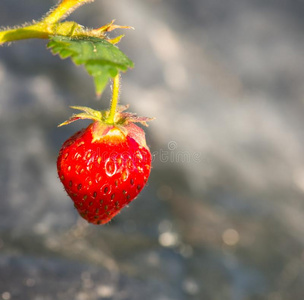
<point>115,98</point>
<point>63,9</point>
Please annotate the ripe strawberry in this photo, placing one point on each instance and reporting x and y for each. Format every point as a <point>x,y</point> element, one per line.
<point>105,166</point>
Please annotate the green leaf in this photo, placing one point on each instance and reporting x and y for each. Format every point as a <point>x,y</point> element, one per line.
<point>101,59</point>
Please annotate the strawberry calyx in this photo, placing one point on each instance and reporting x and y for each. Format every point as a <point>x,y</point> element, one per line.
<point>120,117</point>
<point>116,131</point>
<point>113,125</point>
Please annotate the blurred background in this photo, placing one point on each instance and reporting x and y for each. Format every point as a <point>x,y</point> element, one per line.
<point>223,214</point>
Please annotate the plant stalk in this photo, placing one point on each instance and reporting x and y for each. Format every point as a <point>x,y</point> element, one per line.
<point>28,32</point>
<point>63,9</point>
<point>115,99</point>
<point>47,26</point>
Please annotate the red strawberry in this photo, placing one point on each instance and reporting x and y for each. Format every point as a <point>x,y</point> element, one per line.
<point>104,167</point>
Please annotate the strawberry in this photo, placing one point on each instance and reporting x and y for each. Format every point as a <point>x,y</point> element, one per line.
<point>104,166</point>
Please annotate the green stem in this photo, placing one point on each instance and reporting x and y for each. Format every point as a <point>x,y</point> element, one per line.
<point>63,9</point>
<point>38,30</point>
<point>115,98</point>
<point>49,25</point>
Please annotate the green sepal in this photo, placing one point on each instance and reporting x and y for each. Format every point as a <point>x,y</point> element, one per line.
<point>121,117</point>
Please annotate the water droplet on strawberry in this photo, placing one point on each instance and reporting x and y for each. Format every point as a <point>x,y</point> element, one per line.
<point>110,167</point>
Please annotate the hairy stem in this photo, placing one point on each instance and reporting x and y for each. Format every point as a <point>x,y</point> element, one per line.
<point>115,99</point>
<point>63,9</point>
<point>49,25</point>
<point>28,32</point>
